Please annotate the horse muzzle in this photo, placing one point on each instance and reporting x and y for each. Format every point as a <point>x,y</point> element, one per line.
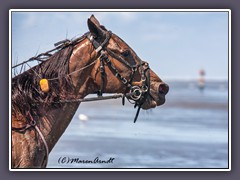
<point>158,92</point>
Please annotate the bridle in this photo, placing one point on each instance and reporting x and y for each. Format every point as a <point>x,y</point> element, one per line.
<point>138,94</point>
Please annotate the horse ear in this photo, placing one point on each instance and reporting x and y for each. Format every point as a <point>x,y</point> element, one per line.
<point>95,27</point>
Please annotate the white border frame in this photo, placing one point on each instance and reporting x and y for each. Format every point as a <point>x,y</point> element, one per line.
<point>124,10</point>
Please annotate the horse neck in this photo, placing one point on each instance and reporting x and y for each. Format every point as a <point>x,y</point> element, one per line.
<point>56,121</point>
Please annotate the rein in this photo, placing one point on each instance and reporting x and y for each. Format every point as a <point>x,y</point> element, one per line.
<point>32,123</point>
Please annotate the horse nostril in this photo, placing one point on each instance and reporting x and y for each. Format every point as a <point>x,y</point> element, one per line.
<point>163,88</point>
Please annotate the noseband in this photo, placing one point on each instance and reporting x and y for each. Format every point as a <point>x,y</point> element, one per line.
<point>137,94</point>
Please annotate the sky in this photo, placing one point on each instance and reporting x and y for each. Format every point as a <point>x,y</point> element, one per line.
<point>176,44</point>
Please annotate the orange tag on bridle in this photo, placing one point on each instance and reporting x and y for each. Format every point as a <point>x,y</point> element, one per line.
<point>44,85</point>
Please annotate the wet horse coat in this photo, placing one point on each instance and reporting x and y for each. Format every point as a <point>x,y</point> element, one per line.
<point>73,72</point>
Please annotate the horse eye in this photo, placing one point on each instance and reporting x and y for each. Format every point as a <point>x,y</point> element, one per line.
<point>125,53</point>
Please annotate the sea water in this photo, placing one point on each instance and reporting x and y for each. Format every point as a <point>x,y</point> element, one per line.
<point>189,131</point>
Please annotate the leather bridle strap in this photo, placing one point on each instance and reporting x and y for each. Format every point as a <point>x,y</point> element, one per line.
<point>120,59</point>
<point>145,87</point>
<point>99,48</point>
<point>142,92</point>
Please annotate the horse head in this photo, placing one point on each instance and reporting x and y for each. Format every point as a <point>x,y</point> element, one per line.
<point>119,69</point>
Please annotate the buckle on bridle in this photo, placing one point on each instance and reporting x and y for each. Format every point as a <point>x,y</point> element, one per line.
<point>98,49</point>
<point>144,88</point>
<point>134,68</point>
<point>124,81</point>
<point>143,78</point>
<point>33,123</point>
<point>135,93</point>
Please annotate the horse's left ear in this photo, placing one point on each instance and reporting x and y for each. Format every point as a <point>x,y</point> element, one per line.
<point>95,27</point>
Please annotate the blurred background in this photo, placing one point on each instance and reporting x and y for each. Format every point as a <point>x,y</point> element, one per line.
<point>188,50</point>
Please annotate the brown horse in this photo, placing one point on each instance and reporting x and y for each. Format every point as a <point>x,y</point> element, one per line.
<point>98,62</point>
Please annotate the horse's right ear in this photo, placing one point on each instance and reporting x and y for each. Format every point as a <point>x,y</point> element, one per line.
<point>94,27</point>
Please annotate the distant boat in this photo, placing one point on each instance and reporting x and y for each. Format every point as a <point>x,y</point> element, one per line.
<point>82,117</point>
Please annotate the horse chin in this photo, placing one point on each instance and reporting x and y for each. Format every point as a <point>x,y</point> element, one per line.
<point>152,102</point>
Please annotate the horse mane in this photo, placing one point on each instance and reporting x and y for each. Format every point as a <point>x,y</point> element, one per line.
<point>26,93</point>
